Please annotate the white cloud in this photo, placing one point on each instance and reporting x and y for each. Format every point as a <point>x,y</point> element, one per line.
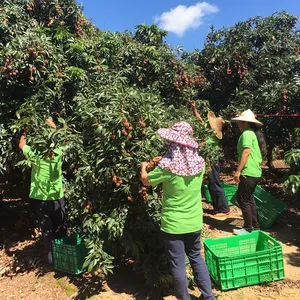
<point>181,18</point>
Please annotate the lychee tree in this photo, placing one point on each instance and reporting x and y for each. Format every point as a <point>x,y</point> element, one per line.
<point>255,64</point>
<point>292,157</point>
<point>108,93</point>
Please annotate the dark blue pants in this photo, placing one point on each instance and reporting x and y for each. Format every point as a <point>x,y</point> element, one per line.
<point>179,245</point>
<point>215,188</point>
<point>51,215</point>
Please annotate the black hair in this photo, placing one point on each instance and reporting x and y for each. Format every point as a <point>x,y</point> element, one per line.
<point>16,138</point>
<point>260,137</point>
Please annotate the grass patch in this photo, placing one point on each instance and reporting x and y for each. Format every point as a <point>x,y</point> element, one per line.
<point>69,288</point>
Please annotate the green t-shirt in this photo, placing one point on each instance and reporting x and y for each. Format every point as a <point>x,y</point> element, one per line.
<point>182,201</point>
<point>46,175</point>
<point>248,139</point>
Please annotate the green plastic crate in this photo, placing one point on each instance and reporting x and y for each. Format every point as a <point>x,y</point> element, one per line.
<point>244,260</point>
<point>229,190</point>
<point>69,254</point>
<point>268,207</point>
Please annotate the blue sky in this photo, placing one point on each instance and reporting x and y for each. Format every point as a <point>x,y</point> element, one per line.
<point>188,21</point>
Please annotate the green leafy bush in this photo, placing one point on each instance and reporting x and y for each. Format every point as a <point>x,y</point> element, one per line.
<point>255,64</point>
<point>292,157</point>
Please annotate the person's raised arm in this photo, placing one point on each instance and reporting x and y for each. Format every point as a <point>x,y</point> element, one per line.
<point>195,111</point>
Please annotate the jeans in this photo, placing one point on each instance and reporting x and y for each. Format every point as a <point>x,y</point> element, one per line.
<point>216,191</point>
<point>247,202</point>
<point>179,245</point>
<point>51,215</point>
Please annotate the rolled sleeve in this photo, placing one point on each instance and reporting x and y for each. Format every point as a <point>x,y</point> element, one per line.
<point>158,176</point>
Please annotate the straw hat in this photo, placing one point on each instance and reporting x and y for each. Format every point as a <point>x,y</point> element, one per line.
<point>181,133</point>
<point>247,116</point>
<point>216,124</point>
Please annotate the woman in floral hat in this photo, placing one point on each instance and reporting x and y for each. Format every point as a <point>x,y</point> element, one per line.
<point>180,171</point>
<point>250,147</point>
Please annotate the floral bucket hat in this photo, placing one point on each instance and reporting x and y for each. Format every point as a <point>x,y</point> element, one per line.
<point>180,133</point>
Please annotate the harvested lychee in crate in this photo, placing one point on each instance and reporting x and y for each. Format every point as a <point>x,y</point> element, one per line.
<point>244,260</point>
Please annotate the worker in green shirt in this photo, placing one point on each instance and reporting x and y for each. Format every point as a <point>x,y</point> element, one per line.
<point>180,171</point>
<point>46,189</point>
<point>219,201</point>
<point>251,145</point>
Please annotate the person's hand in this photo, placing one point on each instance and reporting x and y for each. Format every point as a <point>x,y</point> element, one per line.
<point>192,103</point>
<point>236,177</point>
<point>156,159</point>
<point>50,123</point>
<point>144,165</point>
<point>152,163</point>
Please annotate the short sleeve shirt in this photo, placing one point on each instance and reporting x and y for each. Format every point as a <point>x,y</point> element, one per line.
<point>249,140</point>
<point>182,202</point>
<point>46,175</point>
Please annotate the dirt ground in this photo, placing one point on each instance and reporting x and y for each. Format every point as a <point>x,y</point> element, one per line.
<point>23,274</point>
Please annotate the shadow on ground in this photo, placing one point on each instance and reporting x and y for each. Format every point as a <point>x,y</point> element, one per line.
<point>294,259</point>
<point>224,224</point>
<point>24,254</point>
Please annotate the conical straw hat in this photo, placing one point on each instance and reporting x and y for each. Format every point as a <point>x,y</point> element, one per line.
<point>247,116</point>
